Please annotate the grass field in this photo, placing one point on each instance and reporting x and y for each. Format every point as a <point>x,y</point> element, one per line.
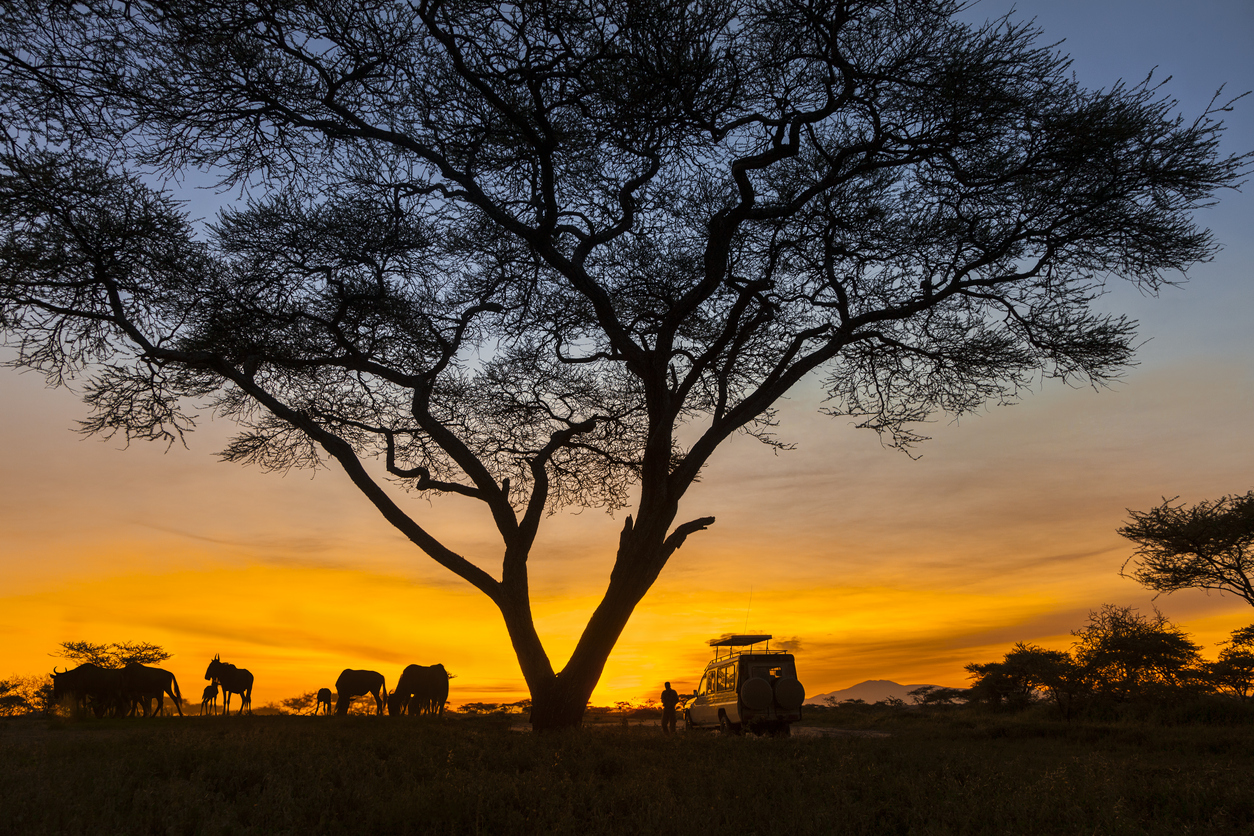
<point>370,775</point>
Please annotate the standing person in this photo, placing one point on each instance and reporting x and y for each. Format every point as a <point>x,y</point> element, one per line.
<point>670,699</point>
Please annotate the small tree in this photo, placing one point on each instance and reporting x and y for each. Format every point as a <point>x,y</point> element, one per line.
<point>114,655</point>
<point>1000,685</point>
<point>1234,670</point>
<point>303,704</point>
<point>1206,546</point>
<point>934,695</point>
<point>1053,671</point>
<point>1125,654</point>
<point>12,700</point>
<point>25,695</point>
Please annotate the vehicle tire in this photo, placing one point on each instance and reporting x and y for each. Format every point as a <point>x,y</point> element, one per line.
<point>726,726</point>
<point>755,694</point>
<point>789,694</point>
<point>687,720</point>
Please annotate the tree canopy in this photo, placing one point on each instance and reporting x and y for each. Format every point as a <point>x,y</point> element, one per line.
<point>1209,545</point>
<point>113,655</point>
<point>1123,652</point>
<point>514,252</point>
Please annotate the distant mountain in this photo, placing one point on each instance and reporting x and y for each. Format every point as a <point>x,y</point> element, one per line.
<point>873,690</point>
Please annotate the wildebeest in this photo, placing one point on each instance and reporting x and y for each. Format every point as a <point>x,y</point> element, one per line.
<point>355,683</point>
<point>142,684</point>
<point>324,701</point>
<point>233,681</point>
<point>420,690</point>
<point>90,685</point>
<point>210,699</point>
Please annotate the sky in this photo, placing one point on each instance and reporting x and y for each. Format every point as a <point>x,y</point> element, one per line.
<point>869,564</point>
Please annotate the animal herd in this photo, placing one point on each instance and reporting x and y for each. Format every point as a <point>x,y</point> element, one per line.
<point>116,692</point>
<point>422,689</point>
<point>124,692</point>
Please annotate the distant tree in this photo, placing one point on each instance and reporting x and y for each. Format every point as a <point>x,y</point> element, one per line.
<point>12,700</point>
<point>932,695</point>
<point>480,708</point>
<point>1051,671</point>
<point>115,655</point>
<point>916,695</point>
<point>1025,674</point>
<point>832,701</point>
<point>1207,546</point>
<point>545,254</point>
<point>303,704</point>
<point>999,685</point>
<point>25,695</point>
<point>1233,671</point>
<point>1125,654</point>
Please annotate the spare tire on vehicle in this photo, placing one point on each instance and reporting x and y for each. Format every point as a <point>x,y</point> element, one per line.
<point>789,694</point>
<point>755,694</point>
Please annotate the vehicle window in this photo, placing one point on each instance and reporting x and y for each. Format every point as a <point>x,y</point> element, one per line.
<point>726,681</point>
<point>701,689</point>
<point>769,672</point>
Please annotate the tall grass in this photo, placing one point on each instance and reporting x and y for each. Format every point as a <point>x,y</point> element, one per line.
<point>303,775</point>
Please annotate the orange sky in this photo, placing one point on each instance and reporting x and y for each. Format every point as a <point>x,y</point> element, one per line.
<point>876,566</point>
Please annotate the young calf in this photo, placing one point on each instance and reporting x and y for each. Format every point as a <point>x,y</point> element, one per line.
<point>210,699</point>
<point>324,699</point>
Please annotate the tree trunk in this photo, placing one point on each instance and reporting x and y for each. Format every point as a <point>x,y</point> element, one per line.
<point>562,704</point>
<point>558,701</point>
<point>559,698</point>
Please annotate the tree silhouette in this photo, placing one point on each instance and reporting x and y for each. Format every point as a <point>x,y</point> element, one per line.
<point>515,252</point>
<point>1233,671</point>
<point>1125,654</point>
<point>306,703</point>
<point>1207,546</point>
<point>1025,672</point>
<point>12,700</point>
<point>115,655</point>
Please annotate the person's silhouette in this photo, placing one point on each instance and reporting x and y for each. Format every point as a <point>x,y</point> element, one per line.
<point>670,699</point>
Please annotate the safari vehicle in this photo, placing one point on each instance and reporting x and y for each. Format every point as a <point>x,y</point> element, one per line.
<point>753,689</point>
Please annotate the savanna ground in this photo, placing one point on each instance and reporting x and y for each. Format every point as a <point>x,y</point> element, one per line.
<point>948,772</point>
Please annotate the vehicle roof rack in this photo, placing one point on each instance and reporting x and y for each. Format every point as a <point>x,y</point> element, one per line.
<point>737,640</point>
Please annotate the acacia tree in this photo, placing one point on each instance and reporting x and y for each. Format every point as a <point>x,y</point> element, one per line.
<point>1206,546</point>
<point>1233,671</point>
<point>113,655</point>
<point>1024,672</point>
<point>510,251</point>
<point>1125,654</point>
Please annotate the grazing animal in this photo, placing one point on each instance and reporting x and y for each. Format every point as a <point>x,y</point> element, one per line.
<point>233,680</point>
<point>324,701</point>
<point>355,683</point>
<point>142,684</point>
<point>420,690</point>
<point>90,685</point>
<point>210,699</point>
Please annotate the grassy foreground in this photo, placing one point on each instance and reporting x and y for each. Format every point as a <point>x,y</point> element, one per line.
<point>367,775</point>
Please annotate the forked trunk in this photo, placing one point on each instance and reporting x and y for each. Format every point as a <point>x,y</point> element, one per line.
<point>559,699</point>
<point>562,704</point>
